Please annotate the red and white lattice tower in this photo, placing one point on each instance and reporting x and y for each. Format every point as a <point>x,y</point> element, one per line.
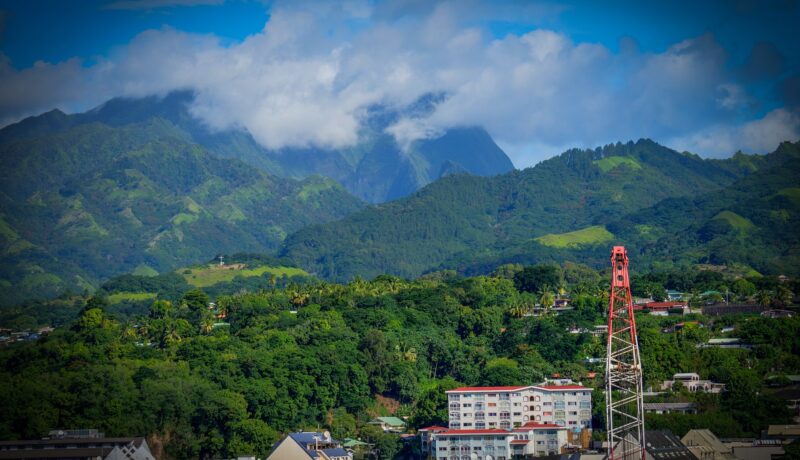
<point>624,411</point>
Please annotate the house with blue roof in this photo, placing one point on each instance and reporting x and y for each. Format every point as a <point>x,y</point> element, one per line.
<point>309,445</point>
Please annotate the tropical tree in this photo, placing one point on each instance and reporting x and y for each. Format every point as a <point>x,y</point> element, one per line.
<point>764,298</point>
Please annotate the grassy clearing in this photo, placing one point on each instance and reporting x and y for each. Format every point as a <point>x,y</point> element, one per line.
<point>609,163</point>
<point>587,236</point>
<point>213,274</point>
<point>145,270</point>
<point>314,188</point>
<point>793,194</point>
<point>118,297</point>
<point>735,220</point>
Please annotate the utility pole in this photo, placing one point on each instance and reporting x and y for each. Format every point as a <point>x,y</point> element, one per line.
<point>624,408</point>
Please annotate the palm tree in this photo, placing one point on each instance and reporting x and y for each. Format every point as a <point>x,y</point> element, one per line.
<point>517,310</point>
<point>764,298</point>
<point>129,331</point>
<point>207,325</point>
<point>546,298</point>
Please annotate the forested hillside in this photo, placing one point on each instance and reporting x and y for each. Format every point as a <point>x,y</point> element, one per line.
<point>555,210</point>
<point>749,226</point>
<point>334,356</point>
<point>92,201</point>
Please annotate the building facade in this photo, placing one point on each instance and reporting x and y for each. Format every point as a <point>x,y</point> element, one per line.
<point>485,408</point>
<point>531,439</point>
<point>692,382</point>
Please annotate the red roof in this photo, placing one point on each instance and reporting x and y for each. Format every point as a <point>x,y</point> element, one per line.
<point>434,428</point>
<point>652,305</point>
<point>460,432</point>
<point>563,387</point>
<point>539,425</point>
<point>481,389</point>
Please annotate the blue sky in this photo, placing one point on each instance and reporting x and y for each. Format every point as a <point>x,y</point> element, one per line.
<point>710,77</point>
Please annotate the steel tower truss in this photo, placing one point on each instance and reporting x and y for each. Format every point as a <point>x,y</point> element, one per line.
<point>624,410</point>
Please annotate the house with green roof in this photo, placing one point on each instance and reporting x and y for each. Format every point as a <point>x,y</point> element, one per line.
<point>390,424</point>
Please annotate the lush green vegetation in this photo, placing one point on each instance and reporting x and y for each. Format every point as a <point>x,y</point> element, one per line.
<point>595,234</point>
<point>354,351</point>
<point>119,297</point>
<point>609,163</point>
<point>674,208</point>
<point>212,274</point>
<point>93,200</point>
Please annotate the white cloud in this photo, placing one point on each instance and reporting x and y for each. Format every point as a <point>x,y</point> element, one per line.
<point>309,76</point>
<point>761,135</point>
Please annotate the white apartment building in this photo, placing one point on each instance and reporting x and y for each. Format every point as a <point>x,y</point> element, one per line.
<point>532,438</point>
<point>480,408</point>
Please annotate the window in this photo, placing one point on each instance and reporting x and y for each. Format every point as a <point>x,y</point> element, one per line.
<point>467,424</point>
<point>480,425</point>
<point>492,395</point>
<point>516,414</point>
<point>505,425</point>
<point>525,408</point>
<point>525,398</point>
<point>572,403</point>
<point>548,403</point>
<point>492,404</point>
<point>466,405</point>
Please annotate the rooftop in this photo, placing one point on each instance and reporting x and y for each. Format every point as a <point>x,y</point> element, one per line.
<point>393,421</point>
<point>670,406</point>
<point>783,430</point>
<point>530,425</point>
<point>434,428</point>
<point>484,389</point>
<point>467,432</point>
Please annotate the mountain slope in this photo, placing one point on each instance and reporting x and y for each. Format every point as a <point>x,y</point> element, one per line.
<point>753,221</point>
<point>92,200</point>
<point>376,169</point>
<point>460,220</point>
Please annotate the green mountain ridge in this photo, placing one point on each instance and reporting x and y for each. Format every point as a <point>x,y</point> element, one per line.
<point>92,201</point>
<point>475,224</point>
<point>376,169</point>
